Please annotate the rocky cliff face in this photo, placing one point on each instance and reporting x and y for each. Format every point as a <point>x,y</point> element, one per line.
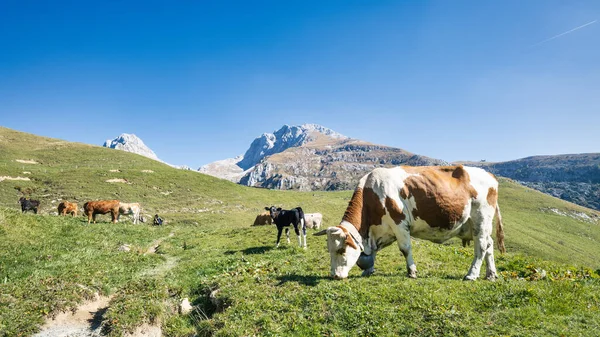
<point>333,167</point>
<point>130,143</point>
<point>309,157</point>
<point>283,139</point>
<point>571,177</point>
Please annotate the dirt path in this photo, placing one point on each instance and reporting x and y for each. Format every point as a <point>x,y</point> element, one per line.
<point>87,319</point>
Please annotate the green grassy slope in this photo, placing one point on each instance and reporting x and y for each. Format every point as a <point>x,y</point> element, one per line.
<point>49,263</point>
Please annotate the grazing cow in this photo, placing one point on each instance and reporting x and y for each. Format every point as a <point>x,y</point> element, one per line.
<point>157,220</point>
<point>91,208</point>
<point>430,202</point>
<point>27,204</point>
<point>285,218</point>
<point>66,207</point>
<point>263,219</point>
<point>130,208</point>
<point>313,220</point>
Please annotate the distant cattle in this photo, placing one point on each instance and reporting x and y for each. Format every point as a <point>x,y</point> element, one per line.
<point>66,207</point>
<point>130,208</point>
<point>27,204</point>
<point>285,218</point>
<point>91,208</point>
<point>263,219</point>
<point>158,221</point>
<point>434,203</point>
<point>313,220</point>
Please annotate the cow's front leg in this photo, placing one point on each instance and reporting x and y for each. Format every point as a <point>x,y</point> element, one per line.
<point>287,234</point>
<point>405,246</point>
<point>279,230</point>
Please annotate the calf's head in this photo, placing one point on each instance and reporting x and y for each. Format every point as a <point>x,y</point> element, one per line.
<point>344,250</point>
<point>273,211</point>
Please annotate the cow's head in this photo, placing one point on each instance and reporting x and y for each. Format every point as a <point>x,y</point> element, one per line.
<point>344,250</point>
<point>22,200</point>
<point>273,211</point>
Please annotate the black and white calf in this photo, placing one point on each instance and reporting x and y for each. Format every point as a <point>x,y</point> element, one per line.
<point>27,204</point>
<point>285,218</point>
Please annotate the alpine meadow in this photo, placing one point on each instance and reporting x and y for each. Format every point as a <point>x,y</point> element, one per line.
<point>239,284</point>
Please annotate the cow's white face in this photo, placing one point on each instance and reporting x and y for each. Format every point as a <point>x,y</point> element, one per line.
<point>343,251</point>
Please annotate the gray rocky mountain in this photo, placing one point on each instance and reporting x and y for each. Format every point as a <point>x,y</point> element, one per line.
<point>309,157</point>
<point>130,143</point>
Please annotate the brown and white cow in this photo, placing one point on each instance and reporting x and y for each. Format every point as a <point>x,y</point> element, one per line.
<point>431,202</point>
<point>66,207</point>
<point>130,208</point>
<point>91,208</point>
<point>313,220</point>
<point>263,219</point>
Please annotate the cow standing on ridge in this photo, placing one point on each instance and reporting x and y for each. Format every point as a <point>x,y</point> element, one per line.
<point>433,203</point>
<point>66,207</point>
<point>285,218</point>
<point>131,208</point>
<point>27,204</point>
<point>91,208</point>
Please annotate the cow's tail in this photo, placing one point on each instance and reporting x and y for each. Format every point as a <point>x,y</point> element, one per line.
<point>499,230</point>
<point>301,214</point>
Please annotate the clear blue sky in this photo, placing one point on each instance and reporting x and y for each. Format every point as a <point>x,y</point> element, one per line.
<point>199,80</point>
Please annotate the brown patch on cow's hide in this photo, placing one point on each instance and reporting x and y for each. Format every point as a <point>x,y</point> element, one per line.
<point>353,212</point>
<point>440,192</point>
<point>364,209</point>
<point>492,196</point>
<point>404,192</point>
<point>372,211</point>
<point>394,210</point>
<point>349,241</point>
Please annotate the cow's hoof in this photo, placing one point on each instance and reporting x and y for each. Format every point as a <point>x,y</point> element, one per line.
<point>368,272</point>
<point>412,275</point>
<point>469,278</point>
<point>491,277</point>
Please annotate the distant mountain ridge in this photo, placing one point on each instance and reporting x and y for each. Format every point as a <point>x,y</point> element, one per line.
<point>571,177</point>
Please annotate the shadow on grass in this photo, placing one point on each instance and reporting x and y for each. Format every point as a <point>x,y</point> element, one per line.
<point>308,280</point>
<point>96,320</point>
<point>251,250</point>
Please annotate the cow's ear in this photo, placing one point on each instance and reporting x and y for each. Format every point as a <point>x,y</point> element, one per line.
<point>323,232</point>
<point>267,208</point>
<point>279,209</point>
<point>330,230</point>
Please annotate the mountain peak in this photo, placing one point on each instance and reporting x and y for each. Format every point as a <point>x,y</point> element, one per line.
<point>130,143</point>
<point>284,138</point>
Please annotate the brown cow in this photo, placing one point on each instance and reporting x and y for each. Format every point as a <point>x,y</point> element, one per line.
<point>91,208</point>
<point>263,219</point>
<point>66,207</point>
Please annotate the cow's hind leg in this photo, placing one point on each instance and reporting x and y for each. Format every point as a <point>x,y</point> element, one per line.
<point>304,233</point>
<point>297,230</point>
<point>483,243</point>
<point>287,234</point>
